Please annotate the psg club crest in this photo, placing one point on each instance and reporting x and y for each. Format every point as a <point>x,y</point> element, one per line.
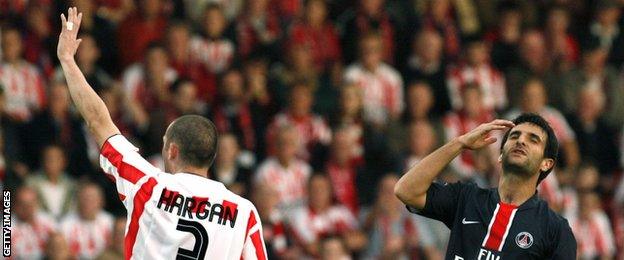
<point>524,240</point>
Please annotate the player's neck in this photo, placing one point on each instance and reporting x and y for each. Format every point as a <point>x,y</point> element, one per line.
<point>515,190</point>
<point>203,172</point>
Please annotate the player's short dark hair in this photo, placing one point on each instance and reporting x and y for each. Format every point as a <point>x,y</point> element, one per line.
<point>552,145</point>
<point>196,137</point>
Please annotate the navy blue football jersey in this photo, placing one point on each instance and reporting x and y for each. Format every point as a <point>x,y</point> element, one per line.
<point>484,228</point>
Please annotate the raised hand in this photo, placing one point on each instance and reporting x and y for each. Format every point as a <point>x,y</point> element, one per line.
<point>480,137</point>
<point>68,44</point>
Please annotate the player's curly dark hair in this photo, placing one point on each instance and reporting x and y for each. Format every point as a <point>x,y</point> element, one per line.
<point>552,145</point>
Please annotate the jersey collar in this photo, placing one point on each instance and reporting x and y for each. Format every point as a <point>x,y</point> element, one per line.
<point>530,203</point>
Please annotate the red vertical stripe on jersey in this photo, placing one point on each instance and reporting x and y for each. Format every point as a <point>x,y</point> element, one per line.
<point>125,170</point>
<point>499,226</point>
<point>141,197</point>
<point>255,239</point>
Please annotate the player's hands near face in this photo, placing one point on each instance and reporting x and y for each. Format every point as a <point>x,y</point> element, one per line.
<point>68,44</point>
<point>480,137</point>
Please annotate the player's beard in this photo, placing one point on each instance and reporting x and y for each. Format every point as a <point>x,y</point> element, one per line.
<point>524,169</point>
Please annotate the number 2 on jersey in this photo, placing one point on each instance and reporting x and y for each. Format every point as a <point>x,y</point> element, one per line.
<point>201,240</point>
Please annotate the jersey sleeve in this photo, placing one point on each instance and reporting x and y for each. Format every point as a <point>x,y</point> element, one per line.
<point>122,163</point>
<point>565,248</point>
<point>442,201</point>
<point>253,247</point>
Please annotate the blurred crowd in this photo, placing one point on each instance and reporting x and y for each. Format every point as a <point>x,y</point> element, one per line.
<point>321,106</point>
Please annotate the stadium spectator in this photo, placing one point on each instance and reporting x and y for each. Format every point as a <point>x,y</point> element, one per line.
<point>533,63</point>
<point>505,38</point>
<point>22,81</point>
<point>323,216</point>
<point>364,18</point>
<point>563,47</point>
<point>393,233</point>
<point>595,73</point>
<point>313,132</point>
<point>116,248</point>
<point>381,84</point>
<point>422,141</point>
<point>57,124</point>
<point>470,164</point>
<point>147,83</point>
<point>587,179</point>
<point>426,64</point>
<point>592,229</point>
<point>55,190</point>
<point>97,23</point>
<point>344,170</point>
<point>287,174</point>
<point>145,25</point>
<point>438,16</point>
<point>420,102</point>
<point>233,113</point>
<point>279,242</point>
<point>88,230</point>
<point>606,29</point>
<point>229,167</point>
<point>319,34</point>
<point>477,69</point>
<point>596,139</point>
<point>38,44</point>
<point>87,57</point>
<point>349,117</point>
<point>298,67</point>
<point>30,227</point>
<point>258,29</point>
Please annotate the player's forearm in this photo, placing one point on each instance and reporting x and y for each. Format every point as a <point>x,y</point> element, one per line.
<point>413,186</point>
<point>88,103</point>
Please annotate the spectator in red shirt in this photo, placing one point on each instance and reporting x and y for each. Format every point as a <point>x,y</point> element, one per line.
<point>316,31</point>
<point>138,30</point>
<point>37,41</point>
<point>342,169</point>
<point>275,230</point>
<point>103,31</point>
<point>439,17</point>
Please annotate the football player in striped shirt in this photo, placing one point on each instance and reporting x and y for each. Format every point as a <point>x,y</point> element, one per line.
<point>183,215</point>
<point>508,222</point>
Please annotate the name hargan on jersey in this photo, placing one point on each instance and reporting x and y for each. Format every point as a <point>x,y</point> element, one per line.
<point>183,216</point>
<point>484,228</point>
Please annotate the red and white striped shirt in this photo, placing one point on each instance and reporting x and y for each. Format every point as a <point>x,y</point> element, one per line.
<point>179,215</point>
<point>216,56</point>
<point>594,236</point>
<point>24,89</point>
<point>310,226</point>
<point>87,238</point>
<point>311,130</point>
<point>29,241</point>
<point>382,88</point>
<point>290,182</point>
<point>490,81</point>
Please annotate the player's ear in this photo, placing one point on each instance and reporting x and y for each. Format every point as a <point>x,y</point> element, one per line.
<point>547,164</point>
<point>173,151</point>
<point>500,158</point>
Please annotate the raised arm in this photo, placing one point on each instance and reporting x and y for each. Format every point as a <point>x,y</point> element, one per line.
<point>412,188</point>
<point>88,103</point>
